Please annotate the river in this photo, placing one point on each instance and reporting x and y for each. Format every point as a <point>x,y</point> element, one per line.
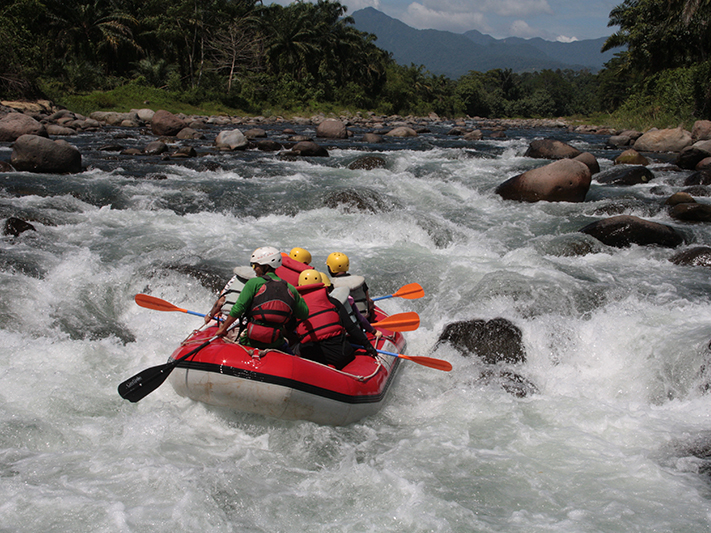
<point>617,340</point>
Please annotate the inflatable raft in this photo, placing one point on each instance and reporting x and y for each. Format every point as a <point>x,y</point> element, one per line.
<point>279,385</point>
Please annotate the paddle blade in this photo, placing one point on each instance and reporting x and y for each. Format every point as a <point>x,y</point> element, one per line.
<point>409,321</point>
<point>151,302</point>
<point>431,362</point>
<point>142,384</point>
<point>411,291</point>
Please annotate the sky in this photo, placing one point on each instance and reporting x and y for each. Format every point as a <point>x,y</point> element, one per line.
<point>553,20</point>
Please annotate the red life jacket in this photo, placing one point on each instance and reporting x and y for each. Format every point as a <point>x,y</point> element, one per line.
<point>323,321</point>
<point>272,307</point>
<point>290,269</point>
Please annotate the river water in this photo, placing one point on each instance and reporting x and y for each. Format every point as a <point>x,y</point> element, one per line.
<point>615,437</point>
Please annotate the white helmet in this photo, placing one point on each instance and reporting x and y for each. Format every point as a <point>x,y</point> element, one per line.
<point>266,255</point>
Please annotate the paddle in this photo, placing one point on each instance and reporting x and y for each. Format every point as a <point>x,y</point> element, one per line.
<point>431,362</point>
<point>151,302</point>
<point>142,384</point>
<point>411,291</point>
<point>409,321</point>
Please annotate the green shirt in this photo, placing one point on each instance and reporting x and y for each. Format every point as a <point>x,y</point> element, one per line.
<point>244,304</point>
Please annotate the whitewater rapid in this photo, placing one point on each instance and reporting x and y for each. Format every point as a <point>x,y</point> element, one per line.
<point>616,343</point>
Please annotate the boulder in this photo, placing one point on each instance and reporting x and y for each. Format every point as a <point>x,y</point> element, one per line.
<point>368,162</point>
<point>184,152</point>
<point>155,148</point>
<point>668,140</point>
<point>624,230</point>
<point>146,115</point>
<point>372,138</point>
<point>15,125</point>
<point>566,180</point>
<point>626,175</point>
<point>692,155</point>
<point>511,382</point>
<point>619,140</point>
<point>309,149</point>
<point>701,130</point>
<point>231,140</point>
<point>475,135</point>
<point>113,118</point>
<point>166,123</point>
<point>551,149</point>
<point>14,226</point>
<point>402,131</point>
<point>691,212</point>
<point>332,128</point>
<point>631,157</point>
<point>494,341</point>
<point>267,145</point>
<point>59,131</point>
<point>590,160</point>
<point>6,167</point>
<point>357,200</point>
<point>704,164</point>
<point>679,198</point>
<point>33,153</point>
<point>255,133</point>
<point>700,177</point>
<point>697,256</point>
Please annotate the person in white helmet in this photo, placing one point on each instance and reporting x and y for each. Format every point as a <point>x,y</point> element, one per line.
<point>268,302</point>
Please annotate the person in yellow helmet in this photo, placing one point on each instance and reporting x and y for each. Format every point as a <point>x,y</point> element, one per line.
<point>324,335</point>
<point>338,265</point>
<point>301,255</point>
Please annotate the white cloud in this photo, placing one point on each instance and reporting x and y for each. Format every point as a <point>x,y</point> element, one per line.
<point>520,28</point>
<point>422,17</point>
<point>355,5</point>
<point>504,8</point>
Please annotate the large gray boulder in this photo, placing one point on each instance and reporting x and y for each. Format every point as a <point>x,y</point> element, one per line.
<point>692,155</point>
<point>33,153</point>
<point>402,131</point>
<point>701,130</point>
<point>566,180</point>
<point>551,149</point>
<point>231,140</point>
<point>624,230</point>
<point>668,140</point>
<point>166,123</point>
<point>332,128</point>
<point>494,341</point>
<point>15,125</point>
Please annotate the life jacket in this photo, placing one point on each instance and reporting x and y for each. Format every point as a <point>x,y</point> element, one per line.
<point>272,307</point>
<point>323,321</point>
<point>234,287</point>
<point>290,269</point>
<point>342,294</point>
<point>355,285</point>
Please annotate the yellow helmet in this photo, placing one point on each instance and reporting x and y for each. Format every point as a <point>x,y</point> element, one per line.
<point>325,279</point>
<point>301,255</point>
<point>337,262</point>
<point>309,277</point>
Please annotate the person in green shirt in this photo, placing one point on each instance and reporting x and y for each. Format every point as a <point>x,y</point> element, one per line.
<point>269,303</point>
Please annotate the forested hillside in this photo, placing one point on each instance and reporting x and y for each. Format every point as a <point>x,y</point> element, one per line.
<point>254,58</point>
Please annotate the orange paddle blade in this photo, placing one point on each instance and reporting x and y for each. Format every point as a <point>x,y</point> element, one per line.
<point>411,291</point>
<point>151,302</point>
<point>431,362</point>
<point>409,321</point>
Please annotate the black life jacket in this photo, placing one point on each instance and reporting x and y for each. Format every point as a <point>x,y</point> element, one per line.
<point>272,307</point>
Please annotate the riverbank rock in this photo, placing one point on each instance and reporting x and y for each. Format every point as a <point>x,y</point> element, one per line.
<point>551,149</point>
<point>372,138</point>
<point>701,130</point>
<point>696,256</point>
<point>15,125</point>
<point>165,123</point>
<point>625,230</point>
<point>691,212</point>
<point>33,153</point>
<point>566,180</point>
<point>626,176</point>
<point>668,140</point>
<point>15,226</point>
<point>692,155</point>
<point>308,149</point>
<point>700,177</point>
<point>231,140</point>
<point>494,341</point>
<point>631,157</point>
<point>332,128</point>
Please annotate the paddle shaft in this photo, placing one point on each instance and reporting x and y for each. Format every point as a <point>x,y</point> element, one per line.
<point>431,362</point>
<point>158,304</point>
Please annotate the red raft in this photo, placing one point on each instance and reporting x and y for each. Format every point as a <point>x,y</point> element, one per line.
<point>279,385</point>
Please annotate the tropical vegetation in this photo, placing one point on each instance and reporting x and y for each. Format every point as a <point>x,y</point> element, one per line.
<point>243,56</point>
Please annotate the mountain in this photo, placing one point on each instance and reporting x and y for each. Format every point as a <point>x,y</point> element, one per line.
<point>454,54</point>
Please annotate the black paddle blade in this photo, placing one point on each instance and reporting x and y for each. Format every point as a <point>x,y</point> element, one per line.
<point>142,384</point>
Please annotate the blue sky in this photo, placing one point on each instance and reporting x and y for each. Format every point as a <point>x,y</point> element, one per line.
<point>563,20</point>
